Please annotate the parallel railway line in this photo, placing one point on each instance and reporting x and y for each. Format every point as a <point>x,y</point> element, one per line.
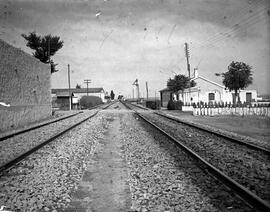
<point>12,162</point>
<point>9,135</point>
<point>246,194</point>
<point>232,139</point>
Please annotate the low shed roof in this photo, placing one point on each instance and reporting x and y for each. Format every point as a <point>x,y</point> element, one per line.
<point>63,94</point>
<point>79,90</point>
<point>165,89</point>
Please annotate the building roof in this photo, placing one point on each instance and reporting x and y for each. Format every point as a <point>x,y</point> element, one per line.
<point>187,90</point>
<point>63,94</point>
<point>164,89</point>
<point>207,80</point>
<point>78,90</point>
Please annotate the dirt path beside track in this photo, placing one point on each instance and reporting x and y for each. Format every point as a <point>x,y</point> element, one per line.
<point>103,186</point>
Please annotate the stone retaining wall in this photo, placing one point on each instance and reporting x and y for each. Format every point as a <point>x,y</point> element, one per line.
<point>25,88</point>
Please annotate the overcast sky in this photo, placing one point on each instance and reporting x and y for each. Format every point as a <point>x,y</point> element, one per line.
<point>113,42</point>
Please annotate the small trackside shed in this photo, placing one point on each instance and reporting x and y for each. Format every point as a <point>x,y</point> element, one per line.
<point>165,96</point>
<point>61,100</point>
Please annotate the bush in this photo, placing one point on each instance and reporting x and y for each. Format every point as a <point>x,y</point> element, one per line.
<point>90,101</point>
<point>175,105</point>
<point>171,105</point>
<point>178,105</point>
<point>153,104</point>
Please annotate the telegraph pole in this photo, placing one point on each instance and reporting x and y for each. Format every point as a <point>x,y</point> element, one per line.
<point>146,84</point>
<point>188,65</point>
<point>69,93</point>
<point>187,56</point>
<point>88,81</point>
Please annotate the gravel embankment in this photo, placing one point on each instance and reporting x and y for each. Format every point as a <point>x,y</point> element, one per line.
<point>249,167</point>
<point>14,146</point>
<point>44,181</point>
<point>163,178</point>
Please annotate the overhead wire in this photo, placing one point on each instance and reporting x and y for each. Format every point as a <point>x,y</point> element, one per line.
<point>233,32</point>
<point>242,12</point>
<point>247,22</point>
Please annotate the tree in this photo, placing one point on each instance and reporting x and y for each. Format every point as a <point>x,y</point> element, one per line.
<point>44,47</point>
<point>179,83</point>
<point>237,77</point>
<point>90,101</point>
<point>78,86</point>
<point>112,95</point>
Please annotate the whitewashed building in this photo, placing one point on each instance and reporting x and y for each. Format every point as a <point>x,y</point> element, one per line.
<point>209,91</point>
<point>77,93</point>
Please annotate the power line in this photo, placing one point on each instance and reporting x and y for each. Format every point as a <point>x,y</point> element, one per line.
<point>233,35</point>
<point>87,81</point>
<point>250,21</point>
<point>239,14</point>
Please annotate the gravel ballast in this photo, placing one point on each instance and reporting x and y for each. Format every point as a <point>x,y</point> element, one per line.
<point>44,181</point>
<point>163,178</point>
<point>248,167</point>
<point>14,146</point>
<point>160,176</point>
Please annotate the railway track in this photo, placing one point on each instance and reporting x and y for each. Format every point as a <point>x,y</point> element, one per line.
<point>12,162</point>
<point>251,198</point>
<point>2,138</point>
<point>227,137</point>
<point>18,132</point>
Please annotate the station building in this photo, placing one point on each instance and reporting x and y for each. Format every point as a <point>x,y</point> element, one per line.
<point>206,91</point>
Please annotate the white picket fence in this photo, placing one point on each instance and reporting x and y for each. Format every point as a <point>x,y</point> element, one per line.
<point>241,111</point>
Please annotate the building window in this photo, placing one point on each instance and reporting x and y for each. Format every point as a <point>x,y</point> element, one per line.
<point>211,97</point>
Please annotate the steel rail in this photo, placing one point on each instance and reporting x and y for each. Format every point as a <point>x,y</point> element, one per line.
<point>36,127</point>
<point>141,107</point>
<point>251,198</point>
<point>14,161</point>
<point>235,140</point>
<point>42,125</point>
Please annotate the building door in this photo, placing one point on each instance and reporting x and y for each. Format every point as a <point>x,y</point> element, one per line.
<point>248,97</point>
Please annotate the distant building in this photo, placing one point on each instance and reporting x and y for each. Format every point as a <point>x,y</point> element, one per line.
<point>206,91</point>
<point>61,100</point>
<point>61,96</point>
<point>165,96</point>
<point>209,91</point>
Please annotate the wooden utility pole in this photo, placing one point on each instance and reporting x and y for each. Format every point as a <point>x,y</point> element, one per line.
<point>146,84</point>
<point>187,56</point>
<point>69,92</point>
<point>188,66</point>
<point>88,81</point>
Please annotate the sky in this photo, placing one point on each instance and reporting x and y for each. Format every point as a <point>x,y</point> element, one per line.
<point>114,42</point>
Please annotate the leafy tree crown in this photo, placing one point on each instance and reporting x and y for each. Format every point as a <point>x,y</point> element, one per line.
<point>44,47</point>
<point>238,76</point>
<point>180,82</point>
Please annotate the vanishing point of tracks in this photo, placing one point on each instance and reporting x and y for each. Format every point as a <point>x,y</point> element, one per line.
<point>243,168</point>
<point>14,149</point>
